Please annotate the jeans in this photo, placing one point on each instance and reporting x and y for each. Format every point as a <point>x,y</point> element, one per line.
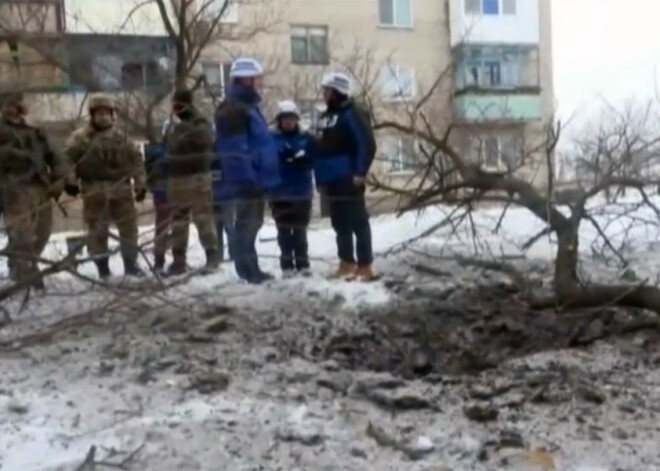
<point>248,216</point>
<point>349,218</point>
<point>292,218</point>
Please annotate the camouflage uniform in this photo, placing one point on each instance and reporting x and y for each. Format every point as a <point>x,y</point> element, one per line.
<point>105,161</point>
<point>189,152</point>
<point>30,175</point>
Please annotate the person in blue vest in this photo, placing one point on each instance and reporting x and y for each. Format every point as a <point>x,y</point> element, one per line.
<point>291,202</point>
<point>344,150</point>
<point>155,163</point>
<point>249,163</point>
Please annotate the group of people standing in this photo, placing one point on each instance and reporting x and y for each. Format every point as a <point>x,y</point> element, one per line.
<point>218,174</point>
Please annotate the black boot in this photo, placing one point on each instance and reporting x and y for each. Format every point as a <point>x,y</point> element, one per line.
<point>131,268</point>
<point>103,268</point>
<point>178,266</point>
<point>159,263</point>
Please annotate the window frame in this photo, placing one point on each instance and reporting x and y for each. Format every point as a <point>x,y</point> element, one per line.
<point>402,166</point>
<point>394,72</point>
<point>231,15</point>
<point>307,37</point>
<point>224,68</point>
<point>394,24</point>
<point>502,160</point>
<point>501,10</point>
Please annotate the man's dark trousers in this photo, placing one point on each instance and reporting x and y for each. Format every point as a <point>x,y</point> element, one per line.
<point>292,218</point>
<point>248,215</point>
<point>349,218</point>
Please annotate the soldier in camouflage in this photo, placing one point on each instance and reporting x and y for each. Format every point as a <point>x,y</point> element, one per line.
<point>105,162</point>
<point>31,174</point>
<point>189,154</point>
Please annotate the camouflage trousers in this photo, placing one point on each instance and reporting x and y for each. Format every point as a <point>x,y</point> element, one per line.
<point>29,220</point>
<point>190,197</point>
<point>105,203</point>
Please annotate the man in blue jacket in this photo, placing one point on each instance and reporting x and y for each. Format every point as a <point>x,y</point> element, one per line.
<point>249,163</point>
<point>291,202</point>
<point>345,149</point>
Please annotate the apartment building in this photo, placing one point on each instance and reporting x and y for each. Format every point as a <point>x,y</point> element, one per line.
<point>493,56</point>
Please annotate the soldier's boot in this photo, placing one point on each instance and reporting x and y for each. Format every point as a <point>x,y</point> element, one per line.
<point>159,263</point>
<point>212,260</point>
<point>131,268</point>
<point>365,273</point>
<point>345,270</point>
<point>178,266</point>
<point>103,268</point>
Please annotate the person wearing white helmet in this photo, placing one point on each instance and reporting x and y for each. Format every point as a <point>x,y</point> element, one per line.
<point>291,202</point>
<point>248,163</point>
<point>344,150</point>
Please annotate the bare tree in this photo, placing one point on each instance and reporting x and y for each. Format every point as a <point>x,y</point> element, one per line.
<point>622,155</point>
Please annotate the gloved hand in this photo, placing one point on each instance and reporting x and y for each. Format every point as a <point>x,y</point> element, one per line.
<point>140,194</point>
<point>287,154</point>
<point>72,189</point>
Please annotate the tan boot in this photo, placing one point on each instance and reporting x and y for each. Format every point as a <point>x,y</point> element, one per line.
<point>345,270</point>
<point>365,273</point>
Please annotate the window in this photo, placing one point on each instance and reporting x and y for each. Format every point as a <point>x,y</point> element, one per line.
<point>508,7</point>
<point>397,82</point>
<point>217,76</point>
<point>399,154</point>
<point>397,13</point>
<point>230,14</point>
<point>309,45</point>
<point>136,75</point>
<point>473,7</point>
<point>491,69</point>
<point>501,152</point>
<point>490,7</point>
<point>107,72</point>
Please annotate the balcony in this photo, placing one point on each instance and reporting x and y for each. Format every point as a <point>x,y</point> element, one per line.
<point>498,107</point>
<point>494,22</point>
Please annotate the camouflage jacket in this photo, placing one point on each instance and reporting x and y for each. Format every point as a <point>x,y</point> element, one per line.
<point>107,155</point>
<point>190,147</point>
<point>27,157</point>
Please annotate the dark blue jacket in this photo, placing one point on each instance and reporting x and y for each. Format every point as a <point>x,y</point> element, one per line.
<point>155,163</point>
<point>295,154</point>
<point>347,145</point>
<point>246,152</point>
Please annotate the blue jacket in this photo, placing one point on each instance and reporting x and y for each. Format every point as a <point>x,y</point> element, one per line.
<point>295,154</point>
<point>155,163</point>
<point>347,145</point>
<point>246,152</point>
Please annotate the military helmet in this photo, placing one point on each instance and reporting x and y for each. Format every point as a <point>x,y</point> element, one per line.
<point>101,101</point>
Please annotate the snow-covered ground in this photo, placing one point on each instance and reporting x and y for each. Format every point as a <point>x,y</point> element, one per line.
<point>115,387</point>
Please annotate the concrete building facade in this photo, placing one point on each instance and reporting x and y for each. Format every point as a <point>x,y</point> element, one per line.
<point>489,63</point>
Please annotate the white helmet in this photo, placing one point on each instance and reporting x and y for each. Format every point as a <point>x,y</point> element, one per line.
<point>337,81</point>
<point>287,107</point>
<point>245,67</point>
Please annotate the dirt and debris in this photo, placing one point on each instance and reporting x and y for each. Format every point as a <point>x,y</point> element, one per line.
<point>470,379</point>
